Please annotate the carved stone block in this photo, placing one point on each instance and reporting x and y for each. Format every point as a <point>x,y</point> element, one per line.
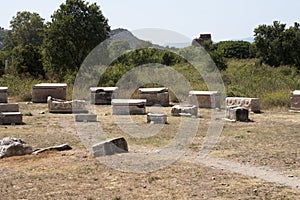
<point>10,118</point>
<point>103,95</point>
<point>110,147</point>
<point>40,92</point>
<point>156,118</point>
<point>295,100</point>
<point>86,118</point>
<point>3,94</point>
<point>155,96</point>
<point>205,99</point>
<point>9,107</point>
<point>252,104</point>
<point>237,113</point>
<point>184,110</point>
<point>128,106</point>
<point>62,106</point>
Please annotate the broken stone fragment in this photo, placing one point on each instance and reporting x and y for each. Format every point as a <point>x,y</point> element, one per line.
<point>10,146</point>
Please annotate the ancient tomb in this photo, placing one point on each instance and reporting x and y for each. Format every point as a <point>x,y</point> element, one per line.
<point>205,99</point>
<point>128,106</point>
<point>9,114</point>
<point>156,118</point>
<point>110,147</point>
<point>155,96</point>
<point>3,94</point>
<point>295,100</point>
<point>236,113</point>
<point>252,104</point>
<point>185,110</point>
<point>63,106</point>
<point>40,92</point>
<point>103,95</point>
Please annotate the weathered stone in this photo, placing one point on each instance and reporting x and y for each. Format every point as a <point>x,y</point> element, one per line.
<point>155,96</point>
<point>3,94</point>
<point>62,106</point>
<point>156,118</point>
<point>205,99</point>
<point>110,147</point>
<point>9,107</point>
<point>86,118</point>
<point>40,92</point>
<point>185,110</point>
<point>237,113</point>
<point>10,146</point>
<point>128,106</point>
<point>295,100</point>
<point>103,95</point>
<point>252,104</point>
<point>62,147</point>
<point>10,118</point>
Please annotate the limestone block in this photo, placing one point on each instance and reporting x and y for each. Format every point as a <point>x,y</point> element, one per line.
<point>86,118</point>
<point>237,113</point>
<point>184,110</point>
<point>252,104</point>
<point>205,99</point>
<point>295,100</point>
<point>10,146</point>
<point>10,118</point>
<point>128,106</point>
<point>103,95</point>
<point>9,107</point>
<point>3,94</point>
<point>40,92</point>
<point>155,96</point>
<point>110,147</point>
<point>156,118</point>
<point>62,106</point>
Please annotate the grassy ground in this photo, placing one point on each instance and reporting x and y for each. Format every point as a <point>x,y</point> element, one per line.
<point>271,140</point>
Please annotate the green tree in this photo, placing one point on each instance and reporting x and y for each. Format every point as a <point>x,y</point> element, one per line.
<point>234,49</point>
<point>76,28</point>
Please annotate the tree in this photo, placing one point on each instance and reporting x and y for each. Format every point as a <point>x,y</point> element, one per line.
<point>234,49</point>
<point>76,28</point>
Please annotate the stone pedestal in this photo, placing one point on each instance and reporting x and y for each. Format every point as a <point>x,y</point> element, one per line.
<point>86,118</point>
<point>156,118</point>
<point>237,113</point>
<point>205,99</point>
<point>9,107</point>
<point>10,118</point>
<point>40,92</point>
<point>3,94</point>
<point>252,104</point>
<point>185,110</point>
<point>155,96</point>
<point>128,106</point>
<point>62,106</point>
<point>103,95</point>
<point>295,100</point>
<point>110,147</point>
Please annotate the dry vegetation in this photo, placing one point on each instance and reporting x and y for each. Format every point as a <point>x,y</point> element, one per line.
<point>272,140</point>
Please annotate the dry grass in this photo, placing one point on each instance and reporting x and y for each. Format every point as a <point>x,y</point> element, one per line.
<point>271,140</point>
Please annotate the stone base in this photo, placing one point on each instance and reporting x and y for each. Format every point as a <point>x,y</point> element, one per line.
<point>205,99</point>
<point>155,96</point>
<point>86,118</point>
<point>10,118</point>
<point>252,104</point>
<point>11,107</point>
<point>110,147</point>
<point>103,95</point>
<point>156,118</point>
<point>235,113</point>
<point>185,110</point>
<point>128,106</point>
<point>3,94</point>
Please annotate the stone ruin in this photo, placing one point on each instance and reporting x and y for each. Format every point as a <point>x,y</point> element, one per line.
<point>40,92</point>
<point>185,110</point>
<point>62,106</point>
<point>201,39</point>
<point>205,99</point>
<point>155,96</point>
<point>10,146</point>
<point>103,95</point>
<point>3,94</point>
<point>295,100</point>
<point>110,147</point>
<point>252,104</point>
<point>157,118</point>
<point>236,113</point>
<point>128,106</point>
<point>9,114</point>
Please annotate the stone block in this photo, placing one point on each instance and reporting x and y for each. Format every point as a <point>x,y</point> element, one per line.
<point>252,104</point>
<point>10,146</point>
<point>110,147</point>
<point>185,110</point>
<point>10,118</point>
<point>103,95</point>
<point>205,99</point>
<point>86,118</point>
<point>62,106</point>
<point>40,92</point>
<point>237,113</point>
<point>9,107</point>
<point>128,106</point>
<point>155,96</point>
<point>295,100</point>
<point>3,94</point>
<point>156,118</point>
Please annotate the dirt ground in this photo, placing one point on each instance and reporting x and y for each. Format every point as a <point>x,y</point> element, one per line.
<point>253,160</point>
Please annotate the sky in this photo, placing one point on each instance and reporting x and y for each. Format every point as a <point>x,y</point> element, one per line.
<point>225,20</point>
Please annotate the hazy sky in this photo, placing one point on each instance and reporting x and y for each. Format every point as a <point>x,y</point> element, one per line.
<point>231,19</point>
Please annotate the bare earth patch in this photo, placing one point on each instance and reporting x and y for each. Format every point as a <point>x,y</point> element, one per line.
<point>255,160</point>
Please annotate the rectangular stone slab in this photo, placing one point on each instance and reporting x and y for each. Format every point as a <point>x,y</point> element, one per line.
<point>128,106</point>
<point>103,95</point>
<point>86,118</point>
<point>237,113</point>
<point>9,107</point>
<point>3,94</point>
<point>295,100</point>
<point>252,104</point>
<point>110,147</point>
<point>40,92</point>
<point>155,96</point>
<point>184,110</point>
<point>205,99</point>
<point>156,118</point>
<point>10,118</point>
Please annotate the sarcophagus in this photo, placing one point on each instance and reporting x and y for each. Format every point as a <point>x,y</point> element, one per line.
<point>128,106</point>
<point>237,113</point>
<point>155,96</point>
<point>62,106</point>
<point>3,94</point>
<point>156,118</point>
<point>184,110</point>
<point>252,104</point>
<point>205,99</point>
<point>103,95</point>
<point>295,100</point>
<point>10,118</point>
<point>40,92</point>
